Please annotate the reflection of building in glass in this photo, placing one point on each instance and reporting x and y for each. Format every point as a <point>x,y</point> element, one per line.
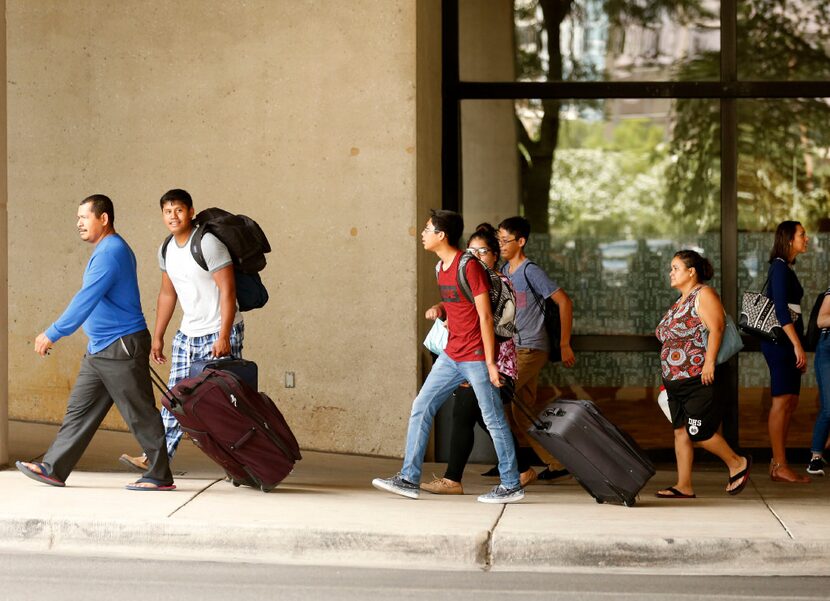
<point>597,46</point>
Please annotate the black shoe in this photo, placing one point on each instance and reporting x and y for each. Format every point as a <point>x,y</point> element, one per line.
<point>549,474</point>
<point>493,472</point>
<point>816,466</point>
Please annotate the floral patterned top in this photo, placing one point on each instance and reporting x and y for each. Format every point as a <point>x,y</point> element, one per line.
<point>506,361</point>
<point>681,332</point>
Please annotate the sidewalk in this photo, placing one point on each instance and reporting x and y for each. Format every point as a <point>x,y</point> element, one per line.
<point>328,513</point>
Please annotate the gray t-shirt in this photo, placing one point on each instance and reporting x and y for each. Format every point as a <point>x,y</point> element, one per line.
<point>530,317</point>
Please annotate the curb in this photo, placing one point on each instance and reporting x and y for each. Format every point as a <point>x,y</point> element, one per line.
<point>710,556</point>
<point>218,542</point>
<point>197,541</point>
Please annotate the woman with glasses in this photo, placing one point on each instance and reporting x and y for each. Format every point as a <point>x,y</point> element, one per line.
<point>484,245</point>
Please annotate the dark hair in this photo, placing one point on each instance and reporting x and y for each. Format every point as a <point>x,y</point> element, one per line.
<point>488,233</point>
<point>518,226</point>
<point>701,265</point>
<point>176,195</point>
<point>449,222</point>
<point>100,204</point>
<point>784,235</point>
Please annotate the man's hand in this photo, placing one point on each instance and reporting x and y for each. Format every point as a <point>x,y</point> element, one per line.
<point>568,357</point>
<point>222,347</point>
<point>435,312</point>
<point>157,351</point>
<point>42,344</point>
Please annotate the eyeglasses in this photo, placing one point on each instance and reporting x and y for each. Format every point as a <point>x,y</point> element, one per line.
<point>506,242</point>
<point>478,251</point>
<point>426,230</point>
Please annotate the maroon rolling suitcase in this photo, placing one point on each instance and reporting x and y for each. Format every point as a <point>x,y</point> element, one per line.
<point>239,428</point>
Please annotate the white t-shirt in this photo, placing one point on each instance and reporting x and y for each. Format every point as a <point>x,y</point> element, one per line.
<point>195,287</point>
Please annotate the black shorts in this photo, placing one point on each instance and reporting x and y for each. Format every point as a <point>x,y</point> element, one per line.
<point>693,406</point>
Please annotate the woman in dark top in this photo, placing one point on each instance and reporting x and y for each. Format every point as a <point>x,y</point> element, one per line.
<point>787,359</point>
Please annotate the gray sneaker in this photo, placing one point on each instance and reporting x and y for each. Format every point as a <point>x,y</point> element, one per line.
<point>396,484</point>
<point>501,494</point>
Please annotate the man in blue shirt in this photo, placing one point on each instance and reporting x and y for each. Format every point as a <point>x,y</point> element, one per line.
<point>115,368</point>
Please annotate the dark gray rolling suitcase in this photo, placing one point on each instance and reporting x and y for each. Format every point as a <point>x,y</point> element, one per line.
<point>604,460</point>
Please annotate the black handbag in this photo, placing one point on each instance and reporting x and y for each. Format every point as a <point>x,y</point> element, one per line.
<point>553,327</point>
<point>758,317</point>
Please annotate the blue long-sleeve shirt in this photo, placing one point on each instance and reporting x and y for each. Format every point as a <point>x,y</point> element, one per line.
<point>784,288</point>
<point>108,305</point>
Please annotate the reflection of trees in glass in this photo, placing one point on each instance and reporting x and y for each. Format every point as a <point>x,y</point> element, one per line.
<point>783,144</point>
<point>540,57</point>
<point>614,188</point>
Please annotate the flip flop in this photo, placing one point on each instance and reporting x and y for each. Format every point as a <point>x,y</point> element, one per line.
<point>743,476</point>
<point>40,477</point>
<point>673,493</point>
<point>157,485</point>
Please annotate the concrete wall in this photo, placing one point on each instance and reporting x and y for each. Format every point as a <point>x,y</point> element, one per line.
<point>301,114</point>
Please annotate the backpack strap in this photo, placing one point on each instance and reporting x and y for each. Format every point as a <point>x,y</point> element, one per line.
<point>463,284</point>
<point>164,246</point>
<point>195,248</point>
<point>540,301</point>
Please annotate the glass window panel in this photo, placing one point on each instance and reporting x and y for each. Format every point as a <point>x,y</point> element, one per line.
<point>754,404</point>
<point>783,173</point>
<point>612,189</point>
<point>784,40</point>
<point>783,163</point>
<point>589,40</point>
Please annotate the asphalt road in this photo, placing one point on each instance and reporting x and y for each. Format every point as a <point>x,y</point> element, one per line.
<point>30,577</point>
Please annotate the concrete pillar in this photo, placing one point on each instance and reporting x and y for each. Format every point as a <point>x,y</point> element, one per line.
<point>490,168</point>
<point>4,246</point>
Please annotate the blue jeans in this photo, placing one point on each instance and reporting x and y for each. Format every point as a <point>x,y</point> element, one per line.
<point>445,377</point>
<point>822,365</point>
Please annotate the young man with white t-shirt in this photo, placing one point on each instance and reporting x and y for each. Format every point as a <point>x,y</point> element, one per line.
<point>211,324</point>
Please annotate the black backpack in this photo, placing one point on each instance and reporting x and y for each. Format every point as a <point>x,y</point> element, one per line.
<point>247,245</point>
<point>813,333</point>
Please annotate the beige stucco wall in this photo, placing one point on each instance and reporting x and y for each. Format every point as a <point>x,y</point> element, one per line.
<point>301,114</point>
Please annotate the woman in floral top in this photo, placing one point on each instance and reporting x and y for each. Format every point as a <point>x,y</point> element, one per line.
<point>689,370</point>
<point>466,414</point>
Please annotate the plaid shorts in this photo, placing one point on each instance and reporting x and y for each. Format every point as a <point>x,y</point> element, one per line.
<point>186,350</point>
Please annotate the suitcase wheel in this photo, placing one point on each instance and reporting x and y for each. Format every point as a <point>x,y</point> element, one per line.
<point>600,501</point>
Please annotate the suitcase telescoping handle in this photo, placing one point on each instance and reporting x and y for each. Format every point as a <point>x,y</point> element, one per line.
<point>158,382</point>
<point>539,425</point>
